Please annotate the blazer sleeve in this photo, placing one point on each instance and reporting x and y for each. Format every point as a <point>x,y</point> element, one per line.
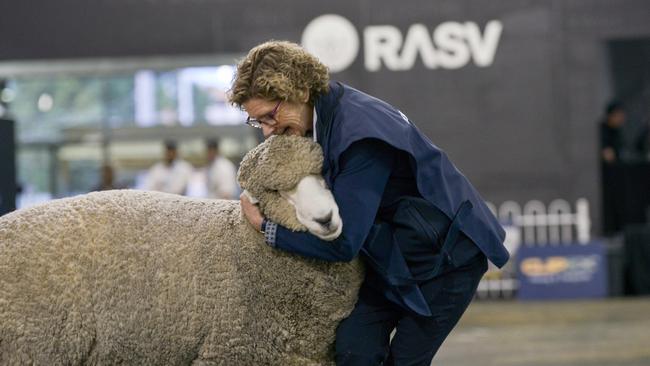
<point>365,168</point>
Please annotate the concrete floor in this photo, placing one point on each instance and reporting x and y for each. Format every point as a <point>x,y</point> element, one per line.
<point>612,332</point>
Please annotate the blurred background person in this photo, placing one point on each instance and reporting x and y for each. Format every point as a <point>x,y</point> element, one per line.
<point>625,172</point>
<point>221,173</point>
<point>611,148</point>
<point>171,175</point>
<point>611,133</point>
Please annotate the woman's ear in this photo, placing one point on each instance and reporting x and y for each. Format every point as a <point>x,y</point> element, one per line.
<point>304,95</point>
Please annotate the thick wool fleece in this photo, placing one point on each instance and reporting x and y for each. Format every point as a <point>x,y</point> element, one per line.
<point>147,278</point>
<point>278,165</point>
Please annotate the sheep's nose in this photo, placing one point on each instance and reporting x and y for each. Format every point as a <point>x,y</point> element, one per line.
<point>325,220</point>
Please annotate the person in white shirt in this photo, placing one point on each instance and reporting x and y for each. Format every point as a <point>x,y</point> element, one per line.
<point>221,174</point>
<point>171,175</point>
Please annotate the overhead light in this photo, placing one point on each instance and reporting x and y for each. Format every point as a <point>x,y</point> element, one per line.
<point>7,95</point>
<point>45,102</point>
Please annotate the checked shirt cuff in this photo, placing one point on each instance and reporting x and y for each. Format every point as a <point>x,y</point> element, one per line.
<point>270,232</point>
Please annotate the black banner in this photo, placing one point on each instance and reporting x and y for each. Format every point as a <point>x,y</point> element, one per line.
<point>7,167</point>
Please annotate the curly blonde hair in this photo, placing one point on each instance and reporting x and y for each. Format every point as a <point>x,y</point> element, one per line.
<point>278,70</point>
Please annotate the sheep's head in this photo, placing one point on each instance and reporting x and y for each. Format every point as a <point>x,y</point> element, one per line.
<point>284,174</point>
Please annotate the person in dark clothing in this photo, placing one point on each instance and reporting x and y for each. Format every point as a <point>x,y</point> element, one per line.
<point>611,147</point>
<point>422,229</point>
<point>611,134</point>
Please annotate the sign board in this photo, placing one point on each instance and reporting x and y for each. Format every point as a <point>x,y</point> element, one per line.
<point>567,271</point>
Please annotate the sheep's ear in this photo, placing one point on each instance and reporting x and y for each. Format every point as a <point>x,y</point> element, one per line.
<point>246,173</point>
<point>251,197</point>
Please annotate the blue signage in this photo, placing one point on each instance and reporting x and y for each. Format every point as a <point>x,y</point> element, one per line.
<point>564,271</point>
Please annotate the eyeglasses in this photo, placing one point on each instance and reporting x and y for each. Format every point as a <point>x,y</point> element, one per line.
<point>268,119</point>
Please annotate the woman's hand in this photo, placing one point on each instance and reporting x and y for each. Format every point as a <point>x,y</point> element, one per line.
<point>251,211</point>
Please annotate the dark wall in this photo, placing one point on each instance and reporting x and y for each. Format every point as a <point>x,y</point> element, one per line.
<point>523,128</point>
<point>7,167</point>
<point>629,62</point>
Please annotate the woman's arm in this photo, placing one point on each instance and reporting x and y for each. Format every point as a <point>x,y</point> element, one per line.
<point>364,171</point>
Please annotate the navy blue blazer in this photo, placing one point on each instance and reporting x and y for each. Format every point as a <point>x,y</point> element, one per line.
<point>345,116</point>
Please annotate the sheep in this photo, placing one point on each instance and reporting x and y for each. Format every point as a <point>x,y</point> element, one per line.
<point>146,278</point>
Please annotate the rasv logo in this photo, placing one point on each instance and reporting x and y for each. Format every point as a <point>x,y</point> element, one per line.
<point>451,45</point>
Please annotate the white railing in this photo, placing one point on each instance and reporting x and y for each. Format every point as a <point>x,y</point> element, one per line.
<point>552,225</point>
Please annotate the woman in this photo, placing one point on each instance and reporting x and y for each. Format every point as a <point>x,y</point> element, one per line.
<point>416,221</point>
